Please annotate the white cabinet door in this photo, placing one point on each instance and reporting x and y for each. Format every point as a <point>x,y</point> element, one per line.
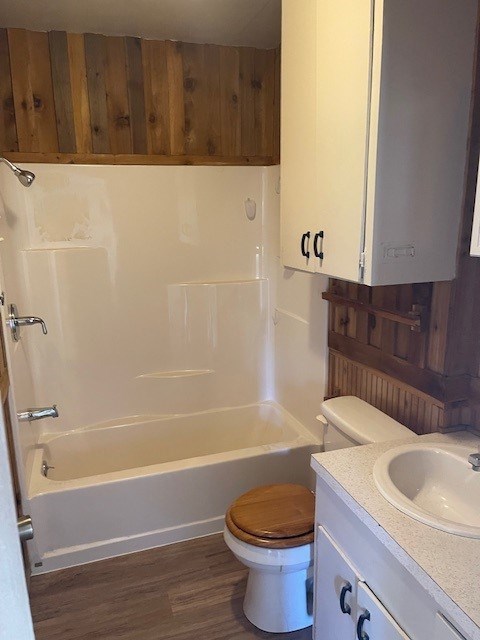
<point>373,620</point>
<point>335,591</point>
<point>344,63</point>
<point>298,201</point>
<point>444,630</point>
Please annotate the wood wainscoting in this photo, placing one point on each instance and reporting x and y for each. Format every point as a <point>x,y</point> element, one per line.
<point>90,98</point>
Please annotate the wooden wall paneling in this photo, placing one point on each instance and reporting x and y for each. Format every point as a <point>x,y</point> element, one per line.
<point>154,57</point>
<point>214,130</point>
<point>80,102</point>
<point>69,96</point>
<point>438,328</point>
<point>32,91</point>
<point>195,99</point>
<point>339,314</point>
<point>118,105</point>
<point>376,324</point>
<point>264,85</point>
<point>389,301</point>
<point>446,389</point>
<point>176,104</point>
<point>405,403</point>
<point>8,126</point>
<point>247,99</point>
<point>403,334</point>
<point>136,94</point>
<point>230,111</point>
<point>62,91</point>
<point>96,60</point>
<point>362,319</point>
<point>422,295</point>
<point>351,328</point>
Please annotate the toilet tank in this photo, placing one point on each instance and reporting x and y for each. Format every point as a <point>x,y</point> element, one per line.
<point>349,421</point>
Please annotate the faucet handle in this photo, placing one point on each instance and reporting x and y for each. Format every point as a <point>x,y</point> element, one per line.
<point>474,460</point>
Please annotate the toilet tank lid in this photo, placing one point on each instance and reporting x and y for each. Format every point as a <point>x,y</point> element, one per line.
<point>362,422</point>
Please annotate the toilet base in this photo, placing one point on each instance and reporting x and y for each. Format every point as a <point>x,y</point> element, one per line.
<point>279,602</point>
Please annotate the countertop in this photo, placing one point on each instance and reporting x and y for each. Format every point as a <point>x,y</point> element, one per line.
<point>446,565</point>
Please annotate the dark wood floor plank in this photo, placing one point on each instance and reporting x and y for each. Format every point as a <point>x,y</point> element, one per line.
<point>187,591</point>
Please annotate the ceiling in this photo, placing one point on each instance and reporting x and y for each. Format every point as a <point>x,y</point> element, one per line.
<point>254,23</point>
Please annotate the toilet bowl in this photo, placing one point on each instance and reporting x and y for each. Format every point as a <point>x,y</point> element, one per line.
<point>271,529</point>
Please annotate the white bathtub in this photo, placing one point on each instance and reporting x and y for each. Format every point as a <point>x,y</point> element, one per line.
<point>132,484</point>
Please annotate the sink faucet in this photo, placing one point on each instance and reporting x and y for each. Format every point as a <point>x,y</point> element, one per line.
<point>474,460</point>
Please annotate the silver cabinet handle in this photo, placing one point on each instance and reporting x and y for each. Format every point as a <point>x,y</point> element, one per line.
<point>25,528</point>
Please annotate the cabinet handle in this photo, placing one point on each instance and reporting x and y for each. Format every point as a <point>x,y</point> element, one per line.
<point>347,587</point>
<point>361,634</point>
<point>305,252</point>
<point>316,245</point>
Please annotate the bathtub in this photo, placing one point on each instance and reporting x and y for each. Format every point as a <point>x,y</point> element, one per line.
<point>141,482</point>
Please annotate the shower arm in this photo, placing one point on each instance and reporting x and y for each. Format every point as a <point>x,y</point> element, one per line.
<point>14,168</point>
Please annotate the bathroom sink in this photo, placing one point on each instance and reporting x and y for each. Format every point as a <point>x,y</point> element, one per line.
<point>434,484</point>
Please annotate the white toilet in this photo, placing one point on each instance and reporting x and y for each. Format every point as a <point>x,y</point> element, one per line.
<point>271,529</point>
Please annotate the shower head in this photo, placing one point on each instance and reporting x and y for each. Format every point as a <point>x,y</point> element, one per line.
<point>24,177</point>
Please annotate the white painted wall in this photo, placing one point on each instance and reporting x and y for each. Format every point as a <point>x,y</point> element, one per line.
<point>300,322</point>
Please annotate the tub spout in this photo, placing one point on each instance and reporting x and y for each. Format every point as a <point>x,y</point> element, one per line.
<point>37,414</point>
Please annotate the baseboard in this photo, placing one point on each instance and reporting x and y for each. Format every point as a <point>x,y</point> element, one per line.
<point>74,556</point>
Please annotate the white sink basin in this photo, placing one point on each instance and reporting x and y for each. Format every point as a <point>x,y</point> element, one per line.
<point>434,484</point>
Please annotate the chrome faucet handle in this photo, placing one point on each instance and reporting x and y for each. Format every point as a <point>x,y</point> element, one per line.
<point>474,460</point>
<point>15,322</point>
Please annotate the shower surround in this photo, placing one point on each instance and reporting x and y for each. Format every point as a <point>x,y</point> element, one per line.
<point>159,297</point>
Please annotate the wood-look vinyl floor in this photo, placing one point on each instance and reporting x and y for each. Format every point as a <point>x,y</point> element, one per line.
<point>188,591</point>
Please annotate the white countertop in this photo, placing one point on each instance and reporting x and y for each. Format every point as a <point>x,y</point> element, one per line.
<point>446,565</point>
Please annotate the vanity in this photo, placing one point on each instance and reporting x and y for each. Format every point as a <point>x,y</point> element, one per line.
<point>381,574</point>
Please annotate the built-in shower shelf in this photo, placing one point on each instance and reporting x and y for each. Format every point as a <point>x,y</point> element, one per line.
<point>60,246</point>
<point>218,282</point>
<point>180,373</point>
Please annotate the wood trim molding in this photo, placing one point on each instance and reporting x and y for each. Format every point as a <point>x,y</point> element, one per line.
<point>415,319</point>
<point>143,159</point>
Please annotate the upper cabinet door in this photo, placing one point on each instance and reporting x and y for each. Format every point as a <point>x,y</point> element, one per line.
<point>343,72</point>
<point>298,202</point>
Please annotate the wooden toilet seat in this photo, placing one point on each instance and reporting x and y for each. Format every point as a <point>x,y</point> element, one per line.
<point>277,516</point>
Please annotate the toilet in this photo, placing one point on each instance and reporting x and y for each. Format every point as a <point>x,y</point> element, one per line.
<point>270,529</point>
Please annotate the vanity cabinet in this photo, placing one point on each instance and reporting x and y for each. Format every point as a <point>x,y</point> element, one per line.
<point>361,590</point>
<point>345,606</point>
<point>375,113</point>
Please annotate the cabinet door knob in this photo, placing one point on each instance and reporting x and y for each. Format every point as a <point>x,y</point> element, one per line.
<point>361,634</point>
<point>347,588</point>
<point>305,251</point>
<point>317,245</point>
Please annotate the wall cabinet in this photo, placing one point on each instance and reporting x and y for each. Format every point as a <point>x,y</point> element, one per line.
<point>375,115</point>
